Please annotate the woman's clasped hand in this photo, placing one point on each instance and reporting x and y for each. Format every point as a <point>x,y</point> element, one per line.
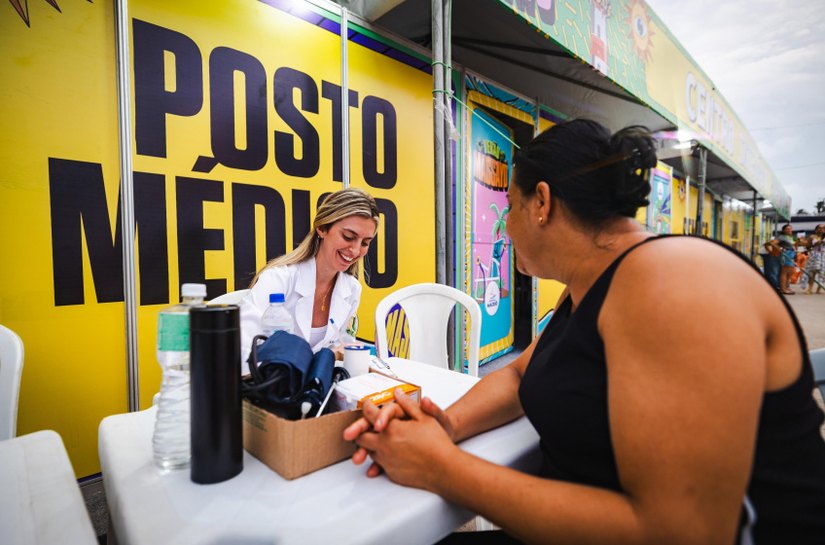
<point>402,438</point>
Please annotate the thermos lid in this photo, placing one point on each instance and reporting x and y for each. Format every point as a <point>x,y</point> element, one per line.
<point>215,318</point>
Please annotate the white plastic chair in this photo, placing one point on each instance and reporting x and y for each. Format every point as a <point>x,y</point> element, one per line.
<point>41,500</point>
<point>231,298</point>
<point>428,307</point>
<point>11,369</point>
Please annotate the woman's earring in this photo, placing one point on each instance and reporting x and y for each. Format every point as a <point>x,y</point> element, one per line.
<point>541,220</point>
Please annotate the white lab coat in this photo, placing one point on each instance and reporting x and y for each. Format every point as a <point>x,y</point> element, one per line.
<point>297,283</point>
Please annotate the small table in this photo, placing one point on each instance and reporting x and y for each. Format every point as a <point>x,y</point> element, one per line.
<point>40,501</point>
<point>337,504</point>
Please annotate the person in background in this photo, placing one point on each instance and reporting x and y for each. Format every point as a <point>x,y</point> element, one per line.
<point>319,278</point>
<point>784,244</point>
<point>815,267</point>
<point>671,390</point>
<point>771,263</point>
<point>801,259</point>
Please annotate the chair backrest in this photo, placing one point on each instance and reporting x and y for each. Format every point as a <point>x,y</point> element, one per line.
<point>428,307</point>
<point>231,298</point>
<point>818,363</point>
<point>11,369</point>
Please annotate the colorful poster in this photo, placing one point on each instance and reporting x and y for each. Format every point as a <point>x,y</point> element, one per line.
<point>660,199</point>
<point>490,159</point>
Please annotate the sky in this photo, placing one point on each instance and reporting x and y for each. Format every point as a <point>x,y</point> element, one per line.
<point>767,58</point>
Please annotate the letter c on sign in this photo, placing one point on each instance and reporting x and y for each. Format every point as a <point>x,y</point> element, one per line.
<point>690,85</point>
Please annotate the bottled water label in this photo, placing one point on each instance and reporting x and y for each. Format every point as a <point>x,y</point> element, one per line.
<point>173,332</point>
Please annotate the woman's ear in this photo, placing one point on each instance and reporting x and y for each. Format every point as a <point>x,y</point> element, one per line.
<point>321,231</point>
<point>542,199</point>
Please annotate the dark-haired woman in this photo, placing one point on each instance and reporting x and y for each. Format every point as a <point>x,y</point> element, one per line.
<point>671,390</point>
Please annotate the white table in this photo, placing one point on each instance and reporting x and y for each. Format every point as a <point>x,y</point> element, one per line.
<point>40,501</point>
<point>338,504</point>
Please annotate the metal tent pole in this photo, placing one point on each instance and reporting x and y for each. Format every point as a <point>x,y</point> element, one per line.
<point>447,110</point>
<point>700,202</point>
<point>440,155</point>
<point>127,218</point>
<point>686,227</point>
<point>449,209</point>
<point>344,98</point>
<point>753,228</point>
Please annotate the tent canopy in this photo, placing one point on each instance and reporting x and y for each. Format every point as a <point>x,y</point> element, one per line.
<point>580,65</point>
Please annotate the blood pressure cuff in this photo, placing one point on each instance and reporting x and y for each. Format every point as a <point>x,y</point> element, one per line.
<point>285,374</point>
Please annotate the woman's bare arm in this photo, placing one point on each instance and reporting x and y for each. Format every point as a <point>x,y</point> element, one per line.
<point>686,374</point>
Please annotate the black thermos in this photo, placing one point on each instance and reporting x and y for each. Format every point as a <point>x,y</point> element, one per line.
<point>215,365</point>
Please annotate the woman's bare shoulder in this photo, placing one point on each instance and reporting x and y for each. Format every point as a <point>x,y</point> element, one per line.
<point>687,272</point>
<point>688,256</point>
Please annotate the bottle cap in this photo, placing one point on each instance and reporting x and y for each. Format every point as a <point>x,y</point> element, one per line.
<point>276,297</point>
<point>193,290</point>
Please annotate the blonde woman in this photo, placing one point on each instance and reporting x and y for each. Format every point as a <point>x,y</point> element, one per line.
<point>318,278</point>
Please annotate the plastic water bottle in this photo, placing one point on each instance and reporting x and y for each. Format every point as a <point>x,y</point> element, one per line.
<point>276,317</point>
<point>171,442</point>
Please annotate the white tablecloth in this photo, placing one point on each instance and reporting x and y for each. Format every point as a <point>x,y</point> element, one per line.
<point>337,504</point>
<point>40,501</point>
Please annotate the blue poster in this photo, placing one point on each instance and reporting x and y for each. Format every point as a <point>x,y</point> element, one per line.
<point>660,213</point>
<point>491,263</point>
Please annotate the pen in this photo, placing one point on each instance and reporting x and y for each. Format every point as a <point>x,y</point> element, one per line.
<point>384,365</point>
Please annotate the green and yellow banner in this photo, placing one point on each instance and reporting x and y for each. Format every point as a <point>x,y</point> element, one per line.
<point>628,43</point>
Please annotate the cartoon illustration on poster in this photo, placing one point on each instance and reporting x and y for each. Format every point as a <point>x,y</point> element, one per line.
<point>660,216</point>
<point>598,34</point>
<point>491,160</point>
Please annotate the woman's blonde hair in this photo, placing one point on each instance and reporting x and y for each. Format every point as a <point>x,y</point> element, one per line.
<point>337,206</point>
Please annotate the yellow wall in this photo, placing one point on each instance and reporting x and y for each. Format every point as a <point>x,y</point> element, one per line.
<point>677,207</point>
<point>59,103</point>
<point>59,170</point>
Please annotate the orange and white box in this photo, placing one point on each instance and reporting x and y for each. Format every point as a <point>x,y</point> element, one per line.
<point>351,393</point>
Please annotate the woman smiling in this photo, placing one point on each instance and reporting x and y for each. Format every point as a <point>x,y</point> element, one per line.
<point>319,277</point>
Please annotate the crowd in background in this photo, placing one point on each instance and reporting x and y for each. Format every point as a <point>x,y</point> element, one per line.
<point>795,259</point>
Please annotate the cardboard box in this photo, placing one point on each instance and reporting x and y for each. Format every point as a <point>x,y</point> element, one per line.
<point>294,448</point>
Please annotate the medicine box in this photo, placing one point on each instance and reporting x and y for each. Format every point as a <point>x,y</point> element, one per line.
<point>350,394</point>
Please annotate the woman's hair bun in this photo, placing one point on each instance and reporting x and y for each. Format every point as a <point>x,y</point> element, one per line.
<point>596,175</point>
<point>635,151</point>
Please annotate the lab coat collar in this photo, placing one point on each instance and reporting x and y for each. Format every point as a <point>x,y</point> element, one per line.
<point>305,286</point>
<point>305,277</point>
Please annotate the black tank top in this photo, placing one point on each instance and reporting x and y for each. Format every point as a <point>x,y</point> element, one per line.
<point>564,395</point>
